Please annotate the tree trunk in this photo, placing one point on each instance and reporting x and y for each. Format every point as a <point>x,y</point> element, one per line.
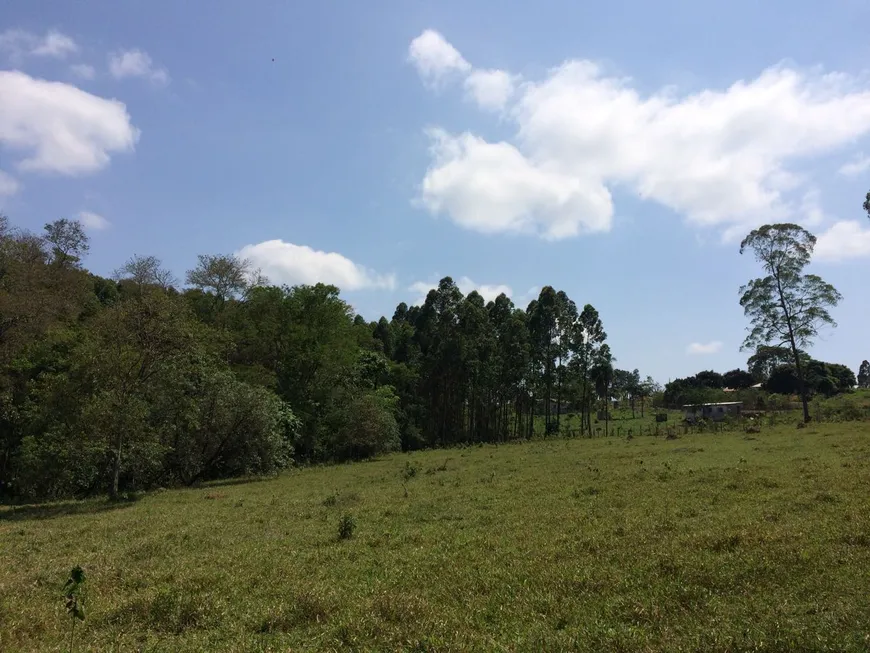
<point>802,384</point>
<point>549,383</point>
<point>583,400</point>
<point>559,391</point>
<point>116,470</point>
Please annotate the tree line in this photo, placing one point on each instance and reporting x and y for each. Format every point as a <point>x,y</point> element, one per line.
<point>769,370</point>
<point>124,383</point>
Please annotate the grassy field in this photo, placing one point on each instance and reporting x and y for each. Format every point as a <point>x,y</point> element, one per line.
<point>710,542</point>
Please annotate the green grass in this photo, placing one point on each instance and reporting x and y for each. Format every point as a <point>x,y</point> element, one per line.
<point>709,542</point>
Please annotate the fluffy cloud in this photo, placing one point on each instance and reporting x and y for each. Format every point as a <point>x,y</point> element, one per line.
<point>488,291</point>
<point>720,157</point>
<point>136,63</point>
<point>83,70</point>
<point>856,166</point>
<point>697,348</point>
<point>437,61</point>
<point>847,239</point>
<point>434,58</point>
<point>60,128</point>
<point>491,89</point>
<point>493,187</point>
<point>8,184</point>
<point>286,263</point>
<point>93,221</point>
<point>19,43</point>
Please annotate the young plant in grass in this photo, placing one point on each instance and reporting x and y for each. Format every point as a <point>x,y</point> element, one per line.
<point>346,527</point>
<point>72,590</point>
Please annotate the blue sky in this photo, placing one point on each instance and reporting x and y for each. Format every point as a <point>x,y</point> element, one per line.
<point>617,151</point>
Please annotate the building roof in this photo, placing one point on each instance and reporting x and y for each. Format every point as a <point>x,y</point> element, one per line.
<point>715,403</point>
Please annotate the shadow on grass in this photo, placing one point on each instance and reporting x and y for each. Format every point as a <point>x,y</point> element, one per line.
<point>53,510</point>
<point>225,482</point>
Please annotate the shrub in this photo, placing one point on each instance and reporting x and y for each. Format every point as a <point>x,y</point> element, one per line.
<point>842,407</point>
<point>346,527</point>
<point>409,471</point>
<point>365,426</point>
<point>231,429</point>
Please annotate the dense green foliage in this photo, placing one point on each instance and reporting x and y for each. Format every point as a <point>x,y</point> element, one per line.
<point>824,379</point>
<point>114,385</point>
<point>716,542</point>
<point>127,383</point>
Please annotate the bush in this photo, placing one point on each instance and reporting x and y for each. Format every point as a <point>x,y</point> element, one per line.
<point>230,429</point>
<point>409,471</point>
<point>346,527</point>
<point>841,407</point>
<point>197,423</point>
<point>365,426</point>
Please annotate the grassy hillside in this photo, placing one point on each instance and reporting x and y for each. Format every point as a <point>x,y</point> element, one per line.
<point>711,542</point>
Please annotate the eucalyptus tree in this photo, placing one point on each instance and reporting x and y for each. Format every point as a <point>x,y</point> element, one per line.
<point>587,337</point>
<point>601,375</point>
<point>786,307</point>
<point>543,322</point>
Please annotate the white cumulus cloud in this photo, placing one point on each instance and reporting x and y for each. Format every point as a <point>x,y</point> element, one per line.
<point>56,127</point>
<point>846,239</point>
<point>19,43</point>
<point>491,89</point>
<point>856,166</point>
<point>286,263</point>
<point>493,187</point>
<point>488,291</point>
<point>93,221</point>
<point>724,157</point>
<point>697,348</point>
<point>83,70</point>
<point>8,184</point>
<point>434,58</point>
<point>136,63</point>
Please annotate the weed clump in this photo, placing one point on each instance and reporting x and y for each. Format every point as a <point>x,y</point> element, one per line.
<point>346,527</point>
<point>410,471</point>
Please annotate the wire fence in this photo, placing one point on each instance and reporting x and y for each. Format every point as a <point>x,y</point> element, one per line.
<point>754,423</point>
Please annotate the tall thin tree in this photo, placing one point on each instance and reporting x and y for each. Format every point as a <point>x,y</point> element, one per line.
<point>786,307</point>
